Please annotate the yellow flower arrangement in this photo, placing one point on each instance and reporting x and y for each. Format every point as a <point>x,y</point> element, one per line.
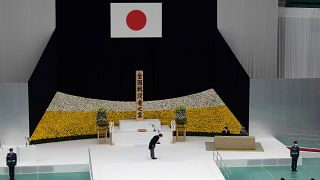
<point>60,124</point>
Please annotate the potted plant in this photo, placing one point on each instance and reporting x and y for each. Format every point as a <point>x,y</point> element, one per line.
<point>101,117</point>
<point>181,116</point>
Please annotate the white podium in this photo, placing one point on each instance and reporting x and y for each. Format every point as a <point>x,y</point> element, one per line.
<point>127,132</point>
<point>133,125</point>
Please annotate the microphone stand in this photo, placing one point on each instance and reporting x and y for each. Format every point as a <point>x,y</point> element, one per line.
<point>158,132</point>
<point>154,130</point>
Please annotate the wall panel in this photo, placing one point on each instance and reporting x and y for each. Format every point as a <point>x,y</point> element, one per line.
<point>250,29</point>
<point>278,106</point>
<point>14,117</point>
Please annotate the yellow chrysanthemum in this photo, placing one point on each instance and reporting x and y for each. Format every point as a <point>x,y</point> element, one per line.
<point>60,124</point>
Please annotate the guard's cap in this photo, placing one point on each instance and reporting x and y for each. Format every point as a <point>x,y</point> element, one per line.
<point>295,142</point>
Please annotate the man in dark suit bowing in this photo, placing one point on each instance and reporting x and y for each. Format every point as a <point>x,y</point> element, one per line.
<point>152,144</point>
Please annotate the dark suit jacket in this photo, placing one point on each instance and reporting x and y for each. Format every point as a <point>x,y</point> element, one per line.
<point>225,133</point>
<point>243,133</point>
<point>154,141</point>
<point>11,159</point>
<point>294,151</point>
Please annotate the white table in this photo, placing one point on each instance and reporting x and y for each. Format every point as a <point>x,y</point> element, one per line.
<point>133,125</point>
<point>127,132</point>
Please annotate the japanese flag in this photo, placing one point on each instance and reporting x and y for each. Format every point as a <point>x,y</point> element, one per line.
<point>136,20</point>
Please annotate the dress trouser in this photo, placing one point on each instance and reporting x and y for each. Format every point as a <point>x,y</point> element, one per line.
<point>11,172</point>
<point>152,152</point>
<point>294,163</point>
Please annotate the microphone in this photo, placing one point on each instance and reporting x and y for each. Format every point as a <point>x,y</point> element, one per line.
<point>157,129</point>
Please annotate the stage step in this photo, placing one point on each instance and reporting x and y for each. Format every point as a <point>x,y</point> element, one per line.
<point>260,162</point>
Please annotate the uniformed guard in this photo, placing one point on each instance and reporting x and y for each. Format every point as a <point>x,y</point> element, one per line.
<point>294,153</point>
<point>11,163</point>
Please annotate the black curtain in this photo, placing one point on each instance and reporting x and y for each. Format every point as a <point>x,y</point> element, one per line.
<point>190,57</point>
<point>43,83</point>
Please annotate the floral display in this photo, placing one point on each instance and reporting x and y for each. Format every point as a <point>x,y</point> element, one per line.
<point>181,115</point>
<point>73,117</point>
<point>101,117</point>
<point>60,125</point>
<point>71,103</point>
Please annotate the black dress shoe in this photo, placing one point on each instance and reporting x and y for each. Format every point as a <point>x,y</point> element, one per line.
<point>154,158</point>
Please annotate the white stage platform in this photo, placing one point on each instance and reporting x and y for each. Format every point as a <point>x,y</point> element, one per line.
<point>182,160</point>
<point>134,137</point>
<point>25,154</point>
<point>134,125</point>
<point>127,132</point>
<point>275,154</point>
<point>71,156</point>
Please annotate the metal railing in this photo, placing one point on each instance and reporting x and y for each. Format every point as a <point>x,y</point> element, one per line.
<point>90,165</point>
<point>221,164</point>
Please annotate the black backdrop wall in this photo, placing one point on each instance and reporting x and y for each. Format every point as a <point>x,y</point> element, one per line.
<point>231,81</point>
<point>177,64</point>
<point>189,58</point>
<point>43,83</point>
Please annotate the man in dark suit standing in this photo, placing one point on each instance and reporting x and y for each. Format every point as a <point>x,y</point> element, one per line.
<point>152,144</point>
<point>243,132</point>
<point>294,153</point>
<point>11,162</point>
<point>225,131</point>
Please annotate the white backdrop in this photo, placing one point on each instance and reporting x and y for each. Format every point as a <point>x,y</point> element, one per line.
<point>299,42</point>
<point>250,29</point>
<point>25,29</point>
<point>14,115</point>
<point>284,106</point>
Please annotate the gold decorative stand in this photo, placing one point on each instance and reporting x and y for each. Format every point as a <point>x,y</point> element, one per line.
<point>180,132</point>
<point>102,134</point>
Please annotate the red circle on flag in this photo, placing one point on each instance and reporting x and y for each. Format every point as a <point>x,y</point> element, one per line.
<point>136,20</point>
